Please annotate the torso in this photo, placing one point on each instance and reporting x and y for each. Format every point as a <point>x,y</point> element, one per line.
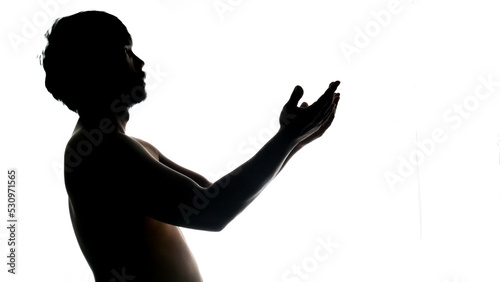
<point>119,242</point>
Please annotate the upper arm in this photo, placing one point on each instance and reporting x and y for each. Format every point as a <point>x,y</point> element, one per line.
<point>161,191</point>
<point>199,179</point>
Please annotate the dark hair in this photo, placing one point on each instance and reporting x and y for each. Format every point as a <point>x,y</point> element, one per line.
<point>83,59</point>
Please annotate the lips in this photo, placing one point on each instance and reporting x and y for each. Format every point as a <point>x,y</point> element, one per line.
<point>143,78</point>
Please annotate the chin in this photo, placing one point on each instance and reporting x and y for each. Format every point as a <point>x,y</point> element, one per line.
<point>139,93</point>
<point>135,94</point>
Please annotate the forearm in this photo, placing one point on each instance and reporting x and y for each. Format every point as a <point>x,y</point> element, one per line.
<point>226,198</point>
<point>234,192</point>
<point>294,150</point>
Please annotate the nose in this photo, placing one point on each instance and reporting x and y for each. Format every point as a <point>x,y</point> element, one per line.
<point>138,63</point>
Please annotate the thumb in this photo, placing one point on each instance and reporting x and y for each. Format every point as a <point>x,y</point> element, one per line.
<point>296,95</point>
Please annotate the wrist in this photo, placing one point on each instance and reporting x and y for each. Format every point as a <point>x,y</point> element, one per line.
<point>288,138</point>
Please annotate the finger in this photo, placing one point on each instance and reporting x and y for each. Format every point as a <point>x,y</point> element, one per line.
<point>330,91</point>
<point>326,107</point>
<point>304,105</point>
<point>324,101</point>
<point>329,119</point>
<point>296,95</point>
<point>335,103</point>
<point>327,97</point>
<point>332,87</point>
<point>336,100</point>
<point>330,114</point>
<point>319,113</point>
<point>334,84</point>
<point>327,115</point>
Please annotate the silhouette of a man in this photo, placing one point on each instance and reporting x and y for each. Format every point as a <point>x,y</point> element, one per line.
<point>126,199</point>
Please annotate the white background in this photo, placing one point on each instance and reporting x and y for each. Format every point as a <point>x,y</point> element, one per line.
<point>216,80</point>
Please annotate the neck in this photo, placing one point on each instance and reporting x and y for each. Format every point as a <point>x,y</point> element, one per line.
<point>116,122</point>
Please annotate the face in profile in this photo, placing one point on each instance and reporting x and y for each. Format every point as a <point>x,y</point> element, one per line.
<point>133,80</point>
<point>135,65</point>
<point>89,63</point>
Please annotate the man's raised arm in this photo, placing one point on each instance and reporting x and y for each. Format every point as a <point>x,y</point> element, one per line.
<point>176,199</point>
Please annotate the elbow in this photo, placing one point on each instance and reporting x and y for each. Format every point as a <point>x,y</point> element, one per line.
<point>217,227</point>
<point>214,229</point>
<point>215,217</point>
<point>212,224</point>
<point>222,226</point>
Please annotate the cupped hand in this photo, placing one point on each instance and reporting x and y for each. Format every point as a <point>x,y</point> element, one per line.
<point>307,123</point>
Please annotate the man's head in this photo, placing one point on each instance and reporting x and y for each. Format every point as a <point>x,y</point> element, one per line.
<point>89,63</point>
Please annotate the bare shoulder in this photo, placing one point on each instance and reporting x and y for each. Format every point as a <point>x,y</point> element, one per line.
<point>149,148</point>
<point>92,147</point>
<point>113,164</point>
<point>142,142</point>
